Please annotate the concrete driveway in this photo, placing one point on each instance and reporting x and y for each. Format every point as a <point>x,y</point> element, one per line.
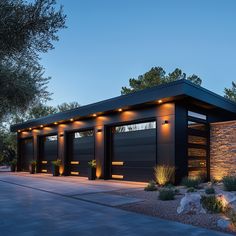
<point>59,206</point>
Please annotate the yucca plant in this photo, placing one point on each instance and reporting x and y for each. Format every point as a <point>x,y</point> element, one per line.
<point>164,174</point>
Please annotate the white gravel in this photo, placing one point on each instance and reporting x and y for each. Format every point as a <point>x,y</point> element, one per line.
<point>167,209</point>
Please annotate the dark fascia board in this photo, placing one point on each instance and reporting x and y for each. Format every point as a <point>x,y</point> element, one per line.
<point>170,90</point>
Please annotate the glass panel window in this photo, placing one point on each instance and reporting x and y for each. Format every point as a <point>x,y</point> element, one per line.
<point>87,133</point>
<point>196,126</point>
<point>197,140</point>
<point>197,152</point>
<point>51,138</point>
<point>135,127</point>
<point>197,115</point>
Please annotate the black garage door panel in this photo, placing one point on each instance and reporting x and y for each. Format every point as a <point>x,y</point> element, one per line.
<point>27,154</point>
<point>82,152</point>
<point>49,153</point>
<point>134,154</point>
<point>135,174</point>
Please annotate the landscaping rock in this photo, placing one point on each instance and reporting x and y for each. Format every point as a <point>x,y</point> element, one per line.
<point>228,196</point>
<point>191,203</point>
<point>224,223</point>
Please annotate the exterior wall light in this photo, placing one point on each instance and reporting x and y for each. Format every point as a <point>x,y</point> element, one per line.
<point>94,115</point>
<point>120,110</point>
<point>165,122</point>
<point>30,128</point>
<point>18,131</point>
<point>71,119</point>
<point>160,101</point>
<point>55,123</point>
<point>41,126</point>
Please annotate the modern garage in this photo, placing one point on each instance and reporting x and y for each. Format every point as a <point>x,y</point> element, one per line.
<point>129,135</point>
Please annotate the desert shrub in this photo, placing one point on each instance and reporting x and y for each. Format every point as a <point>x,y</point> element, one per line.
<point>191,190</point>
<point>191,182</point>
<point>164,174</point>
<point>210,190</point>
<point>151,186</point>
<point>212,204</point>
<point>166,194</point>
<point>229,183</point>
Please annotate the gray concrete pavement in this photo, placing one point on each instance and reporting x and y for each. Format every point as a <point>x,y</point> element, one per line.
<point>29,207</point>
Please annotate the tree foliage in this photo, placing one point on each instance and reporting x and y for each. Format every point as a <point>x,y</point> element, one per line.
<point>156,76</point>
<point>26,29</point>
<point>230,93</point>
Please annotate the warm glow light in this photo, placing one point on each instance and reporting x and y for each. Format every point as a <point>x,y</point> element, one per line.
<point>117,176</point>
<point>74,162</point>
<point>18,131</point>
<point>41,126</point>
<point>44,162</point>
<point>30,128</point>
<point>61,169</point>
<point>120,110</point>
<point>55,123</point>
<point>71,119</point>
<point>44,171</point>
<point>74,173</point>
<point>159,101</point>
<point>117,163</point>
<point>94,115</point>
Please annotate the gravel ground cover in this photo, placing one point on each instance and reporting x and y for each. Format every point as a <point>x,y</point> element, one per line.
<point>168,209</point>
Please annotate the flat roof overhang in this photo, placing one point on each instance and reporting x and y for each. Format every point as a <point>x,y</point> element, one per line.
<point>166,92</point>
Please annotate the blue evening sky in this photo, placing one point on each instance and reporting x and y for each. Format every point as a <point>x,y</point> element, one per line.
<point>109,41</point>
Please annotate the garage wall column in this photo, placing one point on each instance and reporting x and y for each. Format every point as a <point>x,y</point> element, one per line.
<point>99,150</point>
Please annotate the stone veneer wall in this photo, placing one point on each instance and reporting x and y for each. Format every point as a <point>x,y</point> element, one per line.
<point>223,149</point>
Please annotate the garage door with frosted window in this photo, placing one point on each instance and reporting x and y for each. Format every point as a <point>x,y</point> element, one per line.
<point>133,151</point>
<point>81,152</point>
<point>49,153</point>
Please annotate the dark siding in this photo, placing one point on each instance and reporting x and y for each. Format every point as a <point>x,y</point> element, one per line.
<point>181,157</point>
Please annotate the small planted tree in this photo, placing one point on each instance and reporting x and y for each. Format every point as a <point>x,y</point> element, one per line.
<point>32,167</point>
<point>164,174</point>
<point>92,169</point>
<point>56,167</point>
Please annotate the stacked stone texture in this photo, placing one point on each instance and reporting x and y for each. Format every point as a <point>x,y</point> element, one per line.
<point>223,149</point>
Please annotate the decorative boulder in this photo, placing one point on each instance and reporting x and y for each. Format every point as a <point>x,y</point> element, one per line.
<point>191,204</point>
<point>224,223</point>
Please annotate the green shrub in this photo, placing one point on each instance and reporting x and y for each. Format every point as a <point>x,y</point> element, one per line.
<point>151,186</point>
<point>164,174</point>
<point>191,190</point>
<point>191,182</point>
<point>229,183</point>
<point>212,204</point>
<point>210,190</point>
<point>166,194</point>
<point>56,162</point>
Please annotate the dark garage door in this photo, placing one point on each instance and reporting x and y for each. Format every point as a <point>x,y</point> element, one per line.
<point>27,153</point>
<point>49,154</point>
<point>134,151</point>
<point>81,145</point>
